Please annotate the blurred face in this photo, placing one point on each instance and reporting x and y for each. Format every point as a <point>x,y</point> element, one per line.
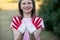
<point>26,6</point>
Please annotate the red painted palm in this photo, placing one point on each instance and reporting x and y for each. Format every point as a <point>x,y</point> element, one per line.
<point>37,22</point>
<point>17,22</point>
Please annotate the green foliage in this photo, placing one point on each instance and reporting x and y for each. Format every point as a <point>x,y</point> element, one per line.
<point>50,12</point>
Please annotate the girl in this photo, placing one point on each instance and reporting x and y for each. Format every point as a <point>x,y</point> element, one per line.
<point>27,26</point>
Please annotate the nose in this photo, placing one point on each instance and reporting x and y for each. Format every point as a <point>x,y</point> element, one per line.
<point>27,4</point>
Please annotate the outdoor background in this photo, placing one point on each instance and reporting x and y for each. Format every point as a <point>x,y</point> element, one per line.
<point>49,10</point>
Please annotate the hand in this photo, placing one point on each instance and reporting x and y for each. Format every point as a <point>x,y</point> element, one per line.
<point>18,24</point>
<point>37,22</point>
<point>34,24</point>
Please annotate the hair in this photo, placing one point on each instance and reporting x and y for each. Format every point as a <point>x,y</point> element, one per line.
<point>21,12</point>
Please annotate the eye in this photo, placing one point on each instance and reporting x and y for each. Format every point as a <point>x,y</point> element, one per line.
<point>23,3</point>
<point>29,2</point>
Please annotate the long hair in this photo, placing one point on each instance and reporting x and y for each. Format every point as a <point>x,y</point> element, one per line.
<point>21,12</point>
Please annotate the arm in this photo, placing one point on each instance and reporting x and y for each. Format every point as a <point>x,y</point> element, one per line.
<point>37,34</point>
<point>17,35</point>
<point>32,37</point>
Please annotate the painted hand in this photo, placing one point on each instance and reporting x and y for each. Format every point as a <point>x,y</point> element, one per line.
<point>18,24</point>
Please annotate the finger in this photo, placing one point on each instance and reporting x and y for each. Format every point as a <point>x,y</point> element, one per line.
<point>14,23</point>
<point>16,20</point>
<point>19,19</point>
<point>39,26</point>
<point>39,22</point>
<point>14,27</point>
<point>33,19</point>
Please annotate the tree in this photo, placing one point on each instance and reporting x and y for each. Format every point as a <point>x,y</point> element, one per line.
<point>50,12</point>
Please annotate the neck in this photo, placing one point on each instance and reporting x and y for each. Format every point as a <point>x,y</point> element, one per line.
<point>27,15</point>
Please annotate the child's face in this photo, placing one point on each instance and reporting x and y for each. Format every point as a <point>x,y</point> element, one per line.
<point>26,6</point>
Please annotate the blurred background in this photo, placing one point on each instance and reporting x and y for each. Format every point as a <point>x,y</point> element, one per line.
<point>49,10</point>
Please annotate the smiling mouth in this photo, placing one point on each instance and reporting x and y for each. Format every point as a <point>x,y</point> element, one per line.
<point>27,8</point>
